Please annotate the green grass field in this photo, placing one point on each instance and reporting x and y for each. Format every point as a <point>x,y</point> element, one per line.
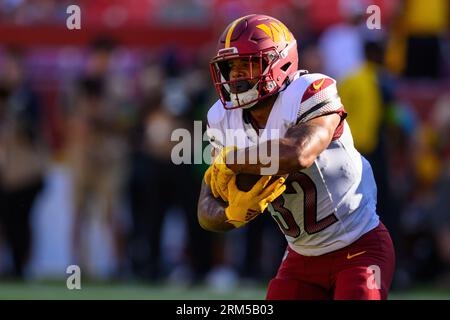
<point>104,291</point>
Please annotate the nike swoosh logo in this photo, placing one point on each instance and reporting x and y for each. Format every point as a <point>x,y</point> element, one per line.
<point>354,255</point>
<point>317,86</point>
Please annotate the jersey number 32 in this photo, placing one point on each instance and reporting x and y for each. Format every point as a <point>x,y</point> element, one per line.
<point>284,216</point>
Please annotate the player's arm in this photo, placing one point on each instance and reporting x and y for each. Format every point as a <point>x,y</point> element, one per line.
<point>240,207</point>
<point>211,211</point>
<point>297,150</point>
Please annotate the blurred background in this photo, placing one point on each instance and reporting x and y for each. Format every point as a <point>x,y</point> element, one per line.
<point>85,123</point>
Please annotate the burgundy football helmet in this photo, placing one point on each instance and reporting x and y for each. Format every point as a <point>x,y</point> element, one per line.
<point>255,38</point>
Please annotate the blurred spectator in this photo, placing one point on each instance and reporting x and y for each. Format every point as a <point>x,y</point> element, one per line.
<point>366,94</point>
<point>97,151</point>
<point>417,41</point>
<point>341,45</point>
<point>440,213</point>
<point>22,158</point>
<point>425,26</point>
<point>361,96</point>
<point>156,184</point>
<point>150,185</point>
<point>440,216</point>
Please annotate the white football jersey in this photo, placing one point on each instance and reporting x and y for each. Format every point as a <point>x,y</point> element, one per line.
<point>328,205</point>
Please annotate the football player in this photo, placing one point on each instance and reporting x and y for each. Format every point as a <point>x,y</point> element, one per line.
<point>326,207</point>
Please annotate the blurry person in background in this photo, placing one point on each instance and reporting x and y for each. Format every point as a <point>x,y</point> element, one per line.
<point>417,39</point>
<point>371,86</point>
<point>425,24</point>
<point>154,188</point>
<point>144,243</point>
<point>440,212</point>
<point>419,260</point>
<point>22,158</point>
<point>341,46</point>
<point>97,152</point>
<point>156,184</point>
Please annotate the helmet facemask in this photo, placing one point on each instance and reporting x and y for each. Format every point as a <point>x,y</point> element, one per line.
<point>244,92</point>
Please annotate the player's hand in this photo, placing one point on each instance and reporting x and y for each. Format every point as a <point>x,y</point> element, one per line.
<point>245,206</point>
<point>220,174</point>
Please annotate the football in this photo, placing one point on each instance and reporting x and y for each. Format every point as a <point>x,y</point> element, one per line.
<point>245,182</point>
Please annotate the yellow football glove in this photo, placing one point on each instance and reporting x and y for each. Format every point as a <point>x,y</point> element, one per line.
<point>207,176</point>
<point>208,180</point>
<point>245,206</point>
<point>220,175</point>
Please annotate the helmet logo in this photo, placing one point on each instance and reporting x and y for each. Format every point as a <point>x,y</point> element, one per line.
<point>274,30</point>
